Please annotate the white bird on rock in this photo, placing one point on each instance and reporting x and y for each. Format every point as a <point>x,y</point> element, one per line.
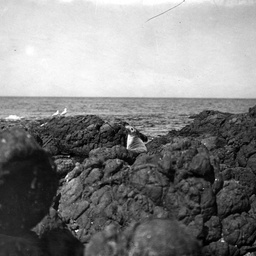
<point>134,140</point>
<point>64,112</point>
<point>56,113</point>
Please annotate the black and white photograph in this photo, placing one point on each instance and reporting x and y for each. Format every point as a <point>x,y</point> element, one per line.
<point>127,128</point>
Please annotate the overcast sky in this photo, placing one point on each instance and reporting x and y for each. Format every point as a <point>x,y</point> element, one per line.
<point>106,48</point>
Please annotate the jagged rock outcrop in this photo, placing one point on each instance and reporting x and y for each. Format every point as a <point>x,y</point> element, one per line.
<point>202,176</point>
<point>69,139</point>
<point>72,135</point>
<point>182,181</point>
<point>230,137</point>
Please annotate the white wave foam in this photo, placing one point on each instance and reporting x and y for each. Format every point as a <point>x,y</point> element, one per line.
<point>13,118</point>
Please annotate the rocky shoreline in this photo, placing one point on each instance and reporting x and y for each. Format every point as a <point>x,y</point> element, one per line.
<point>72,181</point>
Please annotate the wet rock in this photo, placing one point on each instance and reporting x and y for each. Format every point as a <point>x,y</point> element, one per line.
<point>27,182</point>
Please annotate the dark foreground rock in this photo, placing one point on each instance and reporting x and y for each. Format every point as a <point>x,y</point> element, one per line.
<point>162,237</point>
<point>28,182</point>
<point>202,177</point>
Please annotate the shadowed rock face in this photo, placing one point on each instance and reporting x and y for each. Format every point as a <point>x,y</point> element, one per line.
<point>16,246</point>
<point>70,139</point>
<point>72,135</point>
<point>78,135</point>
<point>61,242</point>
<point>27,182</point>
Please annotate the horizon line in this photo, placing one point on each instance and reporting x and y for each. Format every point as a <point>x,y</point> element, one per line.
<point>128,97</point>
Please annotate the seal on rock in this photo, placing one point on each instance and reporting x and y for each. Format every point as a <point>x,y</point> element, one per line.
<point>134,140</point>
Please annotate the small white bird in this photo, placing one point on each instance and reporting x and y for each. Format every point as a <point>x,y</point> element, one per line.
<point>134,142</point>
<point>64,112</point>
<point>56,113</point>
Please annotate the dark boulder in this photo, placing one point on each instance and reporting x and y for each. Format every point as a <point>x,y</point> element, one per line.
<point>19,246</point>
<point>230,137</point>
<point>27,182</point>
<point>232,199</point>
<point>61,242</point>
<point>162,237</point>
<point>252,112</point>
<point>221,248</point>
<point>239,229</point>
<point>244,176</point>
<point>72,135</point>
<point>78,135</point>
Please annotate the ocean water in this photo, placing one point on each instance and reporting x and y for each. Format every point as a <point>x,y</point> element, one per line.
<point>152,116</point>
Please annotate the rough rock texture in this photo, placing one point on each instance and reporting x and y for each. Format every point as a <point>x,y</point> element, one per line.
<point>162,237</point>
<point>85,133</point>
<point>202,176</point>
<point>72,135</point>
<point>28,183</point>
<point>70,139</point>
<point>230,137</point>
<point>175,183</point>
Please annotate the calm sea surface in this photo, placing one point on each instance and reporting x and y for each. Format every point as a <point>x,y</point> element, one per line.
<point>152,116</point>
